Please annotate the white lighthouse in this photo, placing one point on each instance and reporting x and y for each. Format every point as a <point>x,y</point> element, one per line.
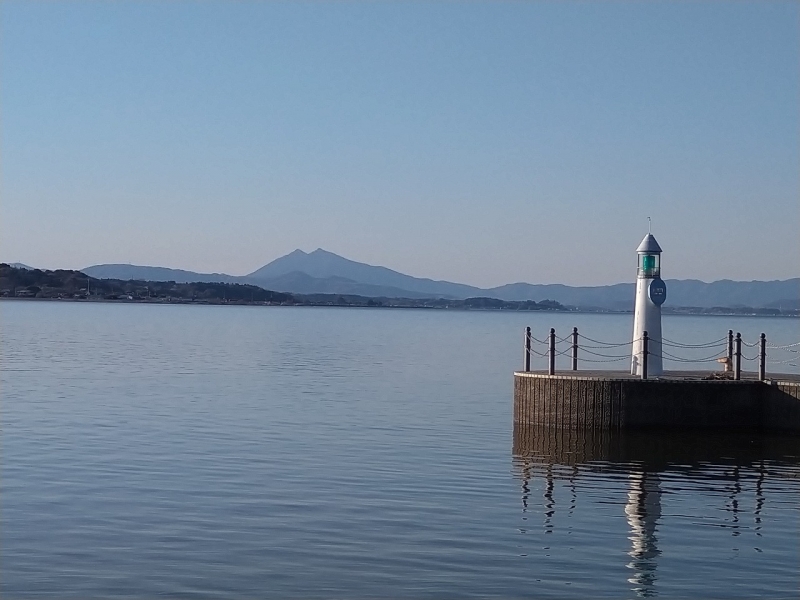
<point>650,295</point>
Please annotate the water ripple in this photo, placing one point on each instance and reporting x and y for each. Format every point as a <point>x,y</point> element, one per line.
<point>222,452</point>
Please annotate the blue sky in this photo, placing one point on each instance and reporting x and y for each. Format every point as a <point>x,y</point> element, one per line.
<point>477,142</point>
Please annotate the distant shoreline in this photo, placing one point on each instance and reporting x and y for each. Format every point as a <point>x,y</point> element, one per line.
<point>674,312</point>
<point>75,286</point>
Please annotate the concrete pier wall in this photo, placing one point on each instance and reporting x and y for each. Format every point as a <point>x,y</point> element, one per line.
<point>658,451</point>
<point>605,401</point>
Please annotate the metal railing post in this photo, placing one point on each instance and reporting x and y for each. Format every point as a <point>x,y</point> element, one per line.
<point>730,346</point>
<point>551,369</point>
<point>645,352</point>
<point>762,358</point>
<point>527,361</point>
<point>574,348</point>
<point>737,356</point>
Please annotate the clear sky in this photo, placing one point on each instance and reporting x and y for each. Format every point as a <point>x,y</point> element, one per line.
<point>484,143</point>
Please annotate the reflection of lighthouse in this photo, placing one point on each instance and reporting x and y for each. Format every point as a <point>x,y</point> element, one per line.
<point>643,511</point>
<point>714,468</point>
<point>650,295</point>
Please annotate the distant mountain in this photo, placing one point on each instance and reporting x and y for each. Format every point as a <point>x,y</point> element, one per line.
<point>618,296</point>
<point>691,292</point>
<point>303,283</point>
<point>322,272</point>
<point>20,266</point>
<point>785,304</point>
<point>680,292</point>
<point>128,272</point>
<point>323,264</point>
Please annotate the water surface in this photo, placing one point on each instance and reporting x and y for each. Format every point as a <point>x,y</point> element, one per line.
<point>240,452</point>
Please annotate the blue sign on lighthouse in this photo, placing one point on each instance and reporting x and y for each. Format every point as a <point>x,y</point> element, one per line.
<point>657,291</point>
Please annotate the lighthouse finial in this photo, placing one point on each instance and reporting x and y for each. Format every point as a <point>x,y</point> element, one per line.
<point>649,225</point>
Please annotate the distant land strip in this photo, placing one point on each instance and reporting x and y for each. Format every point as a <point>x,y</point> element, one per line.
<point>26,283</point>
<point>323,272</point>
<point>75,285</point>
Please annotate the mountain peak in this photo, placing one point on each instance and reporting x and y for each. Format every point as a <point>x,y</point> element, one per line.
<point>323,264</point>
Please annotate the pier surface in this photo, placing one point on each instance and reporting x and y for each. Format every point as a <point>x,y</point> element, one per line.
<point>684,400</point>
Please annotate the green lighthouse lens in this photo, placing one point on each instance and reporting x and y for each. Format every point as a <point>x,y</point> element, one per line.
<point>648,263</point>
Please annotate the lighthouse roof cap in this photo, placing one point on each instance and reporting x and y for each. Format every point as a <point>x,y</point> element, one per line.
<point>649,244</point>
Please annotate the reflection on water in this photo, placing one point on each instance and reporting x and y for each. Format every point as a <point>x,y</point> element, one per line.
<point>718,462</point>
<point>643,511</point>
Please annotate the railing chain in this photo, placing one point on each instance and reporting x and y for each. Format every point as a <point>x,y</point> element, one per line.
<point>730,346</point>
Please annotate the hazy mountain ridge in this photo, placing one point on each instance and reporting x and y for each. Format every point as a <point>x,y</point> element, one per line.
<point>618,296</point>
<point>322,272</point>
<point>296,282</point>
<point>136,272</point>
<point>322,264</point>
<point>303,283</point>
<point>680,292</point>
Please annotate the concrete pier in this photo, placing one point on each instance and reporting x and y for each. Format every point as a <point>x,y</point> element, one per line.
<point>613,400</point>
<point>655,451</point>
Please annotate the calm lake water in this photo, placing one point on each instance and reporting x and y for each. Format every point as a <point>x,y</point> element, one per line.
<point>246,452</point>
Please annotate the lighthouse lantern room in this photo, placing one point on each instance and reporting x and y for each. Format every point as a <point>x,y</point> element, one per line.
<point>650,295</point>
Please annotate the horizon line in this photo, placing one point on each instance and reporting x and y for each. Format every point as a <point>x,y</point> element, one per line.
<point>633,279</point>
